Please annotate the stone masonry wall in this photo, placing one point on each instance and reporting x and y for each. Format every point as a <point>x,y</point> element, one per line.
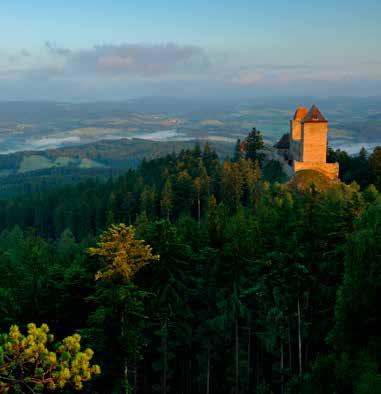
<point>296,130</point>
<point>314,142</point>
<point>295,139</point>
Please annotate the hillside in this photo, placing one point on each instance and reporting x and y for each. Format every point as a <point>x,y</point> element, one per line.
<point>122,153</point>
<point>36,171</point>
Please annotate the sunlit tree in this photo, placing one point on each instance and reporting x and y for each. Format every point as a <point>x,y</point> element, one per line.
<point>123,255</point>
<point>30,363</point>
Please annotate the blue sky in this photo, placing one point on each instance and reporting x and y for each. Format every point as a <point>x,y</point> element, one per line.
<point>79,50</point>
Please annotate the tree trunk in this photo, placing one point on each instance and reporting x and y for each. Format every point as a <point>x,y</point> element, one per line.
<point>289,347</point>
<point>147,387</point>
<point>257,361</point>
<point>281,369</point>
<point>135,379</point>
<point>189,388</point>
<point>299,340</point>
<point>125,363</point>
<point>165,355</point>
<point>183,378</point>
<point>208,372</point>
<point>248,359</point>
<point>199,210</point>
<point>236,357</point>
<point>306,352</point>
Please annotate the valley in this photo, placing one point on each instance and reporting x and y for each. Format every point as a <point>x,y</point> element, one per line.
<point>30,126</point>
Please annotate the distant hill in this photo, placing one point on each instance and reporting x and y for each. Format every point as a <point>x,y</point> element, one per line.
<point>114,154</point>
<point>36,171</point>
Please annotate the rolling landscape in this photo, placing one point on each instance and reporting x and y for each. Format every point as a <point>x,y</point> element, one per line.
<point>38,136</point>
<point>38,126</point>
<point>190,197</point>
<point>48,144</point>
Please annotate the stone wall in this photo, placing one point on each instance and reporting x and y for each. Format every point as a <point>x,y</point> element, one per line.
<point>314,142</point>
<point>295,130</point>
<point>295,139</point>
<point>331,170</point>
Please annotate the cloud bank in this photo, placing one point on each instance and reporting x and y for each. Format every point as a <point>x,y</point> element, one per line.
<point>132,60</point>
<point>108,71</point>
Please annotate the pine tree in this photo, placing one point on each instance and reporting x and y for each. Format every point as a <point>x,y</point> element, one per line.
<point>31,363</point>
<point>123,255</point>
<point>375,163</point>
<point>233,184</point>
<point>238,154</point>
<point>254,146</point>
<point>166,201</point>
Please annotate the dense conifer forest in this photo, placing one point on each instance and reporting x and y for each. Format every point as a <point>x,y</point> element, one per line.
<point>192,275</point>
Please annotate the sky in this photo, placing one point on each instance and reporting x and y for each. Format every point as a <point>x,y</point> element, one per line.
<point>118,49</point>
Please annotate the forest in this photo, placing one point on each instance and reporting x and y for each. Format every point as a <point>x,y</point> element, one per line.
<point>196,275</point>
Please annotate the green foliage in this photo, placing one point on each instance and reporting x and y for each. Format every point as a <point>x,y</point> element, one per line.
<point>254,145</point>
<point>375,164</point>
<point>362,168</point>
<point>272,171</point>
<point>357,317</point>
<point>260,286</point>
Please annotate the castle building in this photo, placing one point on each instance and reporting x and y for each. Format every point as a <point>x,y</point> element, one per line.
<point>307,143</point>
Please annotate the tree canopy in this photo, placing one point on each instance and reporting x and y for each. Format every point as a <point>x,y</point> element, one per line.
<point>260,287</point>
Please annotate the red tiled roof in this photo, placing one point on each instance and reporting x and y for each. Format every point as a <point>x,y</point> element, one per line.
<point>300,113</point>
<point>314,115</point>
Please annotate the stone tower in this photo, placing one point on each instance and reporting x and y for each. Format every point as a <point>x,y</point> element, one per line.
<point>296,133</point>
<point>308,142</point>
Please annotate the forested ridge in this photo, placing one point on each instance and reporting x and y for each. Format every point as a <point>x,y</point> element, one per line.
<point>241,285</point>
